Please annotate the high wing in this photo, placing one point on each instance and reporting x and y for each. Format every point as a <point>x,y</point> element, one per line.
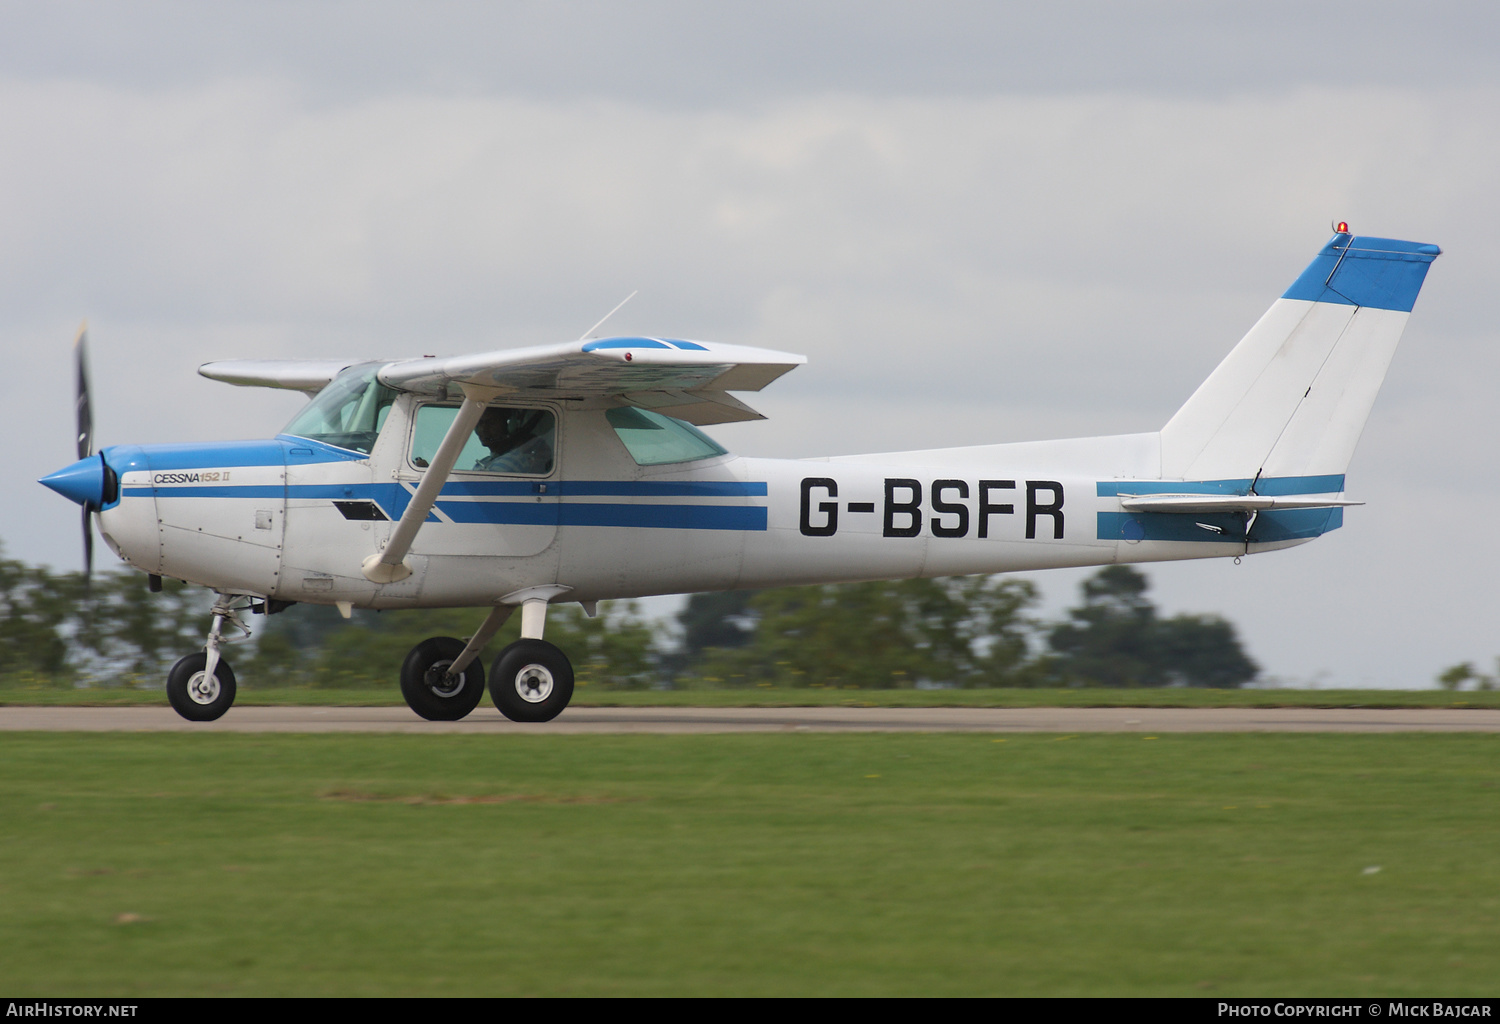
<point>306,375</point>
<point>688,380</point>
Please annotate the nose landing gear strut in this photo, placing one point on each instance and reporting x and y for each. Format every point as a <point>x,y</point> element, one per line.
<point>201,686</point>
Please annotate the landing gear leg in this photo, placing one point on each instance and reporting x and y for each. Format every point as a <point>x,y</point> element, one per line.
<point>201,686</point>
<point>532,680</point>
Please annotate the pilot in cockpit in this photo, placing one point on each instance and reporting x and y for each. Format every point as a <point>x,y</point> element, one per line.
<point>519,440</point>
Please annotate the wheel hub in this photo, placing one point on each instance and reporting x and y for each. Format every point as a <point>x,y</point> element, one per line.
<point>203,688</point>
<point>534,683</point>
<point>441,683</point>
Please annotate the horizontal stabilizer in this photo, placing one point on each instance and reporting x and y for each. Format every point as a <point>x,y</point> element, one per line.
<point>1200,503</point>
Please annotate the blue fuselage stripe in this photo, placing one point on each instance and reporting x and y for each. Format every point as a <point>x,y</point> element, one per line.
<point>544,509</point>
<point>488,489</point>
<point>276,491</point>
<point>662,517</point>
<point>605,488</point>
<point>663,488</point>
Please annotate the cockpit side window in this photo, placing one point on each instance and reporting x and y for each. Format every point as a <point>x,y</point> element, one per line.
<point>512,440</point>
<point>349,412</point>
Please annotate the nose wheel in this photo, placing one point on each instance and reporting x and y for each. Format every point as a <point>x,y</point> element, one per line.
<point>531,681</point>
<point>198,694</point>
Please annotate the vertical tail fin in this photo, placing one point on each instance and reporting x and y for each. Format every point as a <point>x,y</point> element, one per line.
<point>1292,397</point>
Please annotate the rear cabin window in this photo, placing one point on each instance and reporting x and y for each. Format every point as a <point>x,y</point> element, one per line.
<point>656,440</point>
<point>510,440</point>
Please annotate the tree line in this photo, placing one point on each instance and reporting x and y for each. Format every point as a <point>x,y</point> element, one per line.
<point>57,631</point>
<point>971,631</point>
<point>967,631</point>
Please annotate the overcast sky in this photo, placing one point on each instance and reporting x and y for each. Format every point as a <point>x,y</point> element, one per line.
<point>981,223</point>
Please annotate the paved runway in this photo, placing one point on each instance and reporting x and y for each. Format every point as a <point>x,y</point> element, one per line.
<point>720,720</point>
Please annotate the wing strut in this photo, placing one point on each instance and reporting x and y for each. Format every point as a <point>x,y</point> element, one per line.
<point>389,565</point>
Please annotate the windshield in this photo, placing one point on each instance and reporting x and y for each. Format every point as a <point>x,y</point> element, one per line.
<point>349,412</point>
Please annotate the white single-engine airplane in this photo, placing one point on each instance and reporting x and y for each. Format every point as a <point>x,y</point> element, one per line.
<point>573,472</point>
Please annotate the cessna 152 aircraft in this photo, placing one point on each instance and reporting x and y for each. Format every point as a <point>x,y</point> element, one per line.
<point>575,472</point>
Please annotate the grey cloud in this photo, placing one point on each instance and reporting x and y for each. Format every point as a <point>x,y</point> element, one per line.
<point>688,54</point>
<point>961,266</point>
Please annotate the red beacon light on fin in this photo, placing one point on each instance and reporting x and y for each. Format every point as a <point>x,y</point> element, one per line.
<point>1342,227</point>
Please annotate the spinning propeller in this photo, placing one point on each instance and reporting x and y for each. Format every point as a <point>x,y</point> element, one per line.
<point>89,481</point>
<point>85,419</point>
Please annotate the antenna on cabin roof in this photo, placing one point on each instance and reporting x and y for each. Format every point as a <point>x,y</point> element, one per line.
<point>611,313</point>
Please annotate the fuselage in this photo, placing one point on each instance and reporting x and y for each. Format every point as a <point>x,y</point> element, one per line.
<point>292,518</point>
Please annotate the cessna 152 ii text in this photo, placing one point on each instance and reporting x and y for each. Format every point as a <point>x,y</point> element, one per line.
<point>575,472</point>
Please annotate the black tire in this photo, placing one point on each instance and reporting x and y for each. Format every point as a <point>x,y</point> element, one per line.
<point>532,681</point>
<point>424,687</point>
<point>194,700</point>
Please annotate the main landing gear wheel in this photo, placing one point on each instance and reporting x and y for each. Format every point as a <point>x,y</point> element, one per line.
<point>531,681</point>
<point>197,696</point>
<point>430,691</point>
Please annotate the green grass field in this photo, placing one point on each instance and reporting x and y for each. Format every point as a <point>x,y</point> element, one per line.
<point>805,697</point>
<point>167,864</point>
